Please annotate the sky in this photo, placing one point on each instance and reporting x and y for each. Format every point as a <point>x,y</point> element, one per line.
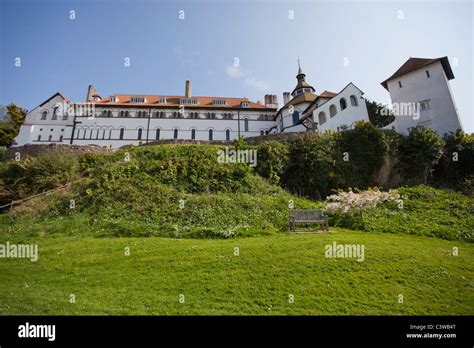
<point>237,48</point>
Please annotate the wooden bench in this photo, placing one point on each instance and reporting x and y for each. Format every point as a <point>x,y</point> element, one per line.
<point>307,217</point>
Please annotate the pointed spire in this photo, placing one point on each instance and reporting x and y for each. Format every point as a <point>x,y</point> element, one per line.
<point>299,67</point>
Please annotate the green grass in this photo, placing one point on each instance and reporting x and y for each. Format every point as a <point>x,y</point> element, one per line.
<point>257,282</point>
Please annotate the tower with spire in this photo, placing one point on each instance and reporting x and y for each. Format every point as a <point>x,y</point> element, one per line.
<point>302,86</point>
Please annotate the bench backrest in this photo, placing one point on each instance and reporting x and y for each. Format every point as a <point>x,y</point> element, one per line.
<point>306,215</point>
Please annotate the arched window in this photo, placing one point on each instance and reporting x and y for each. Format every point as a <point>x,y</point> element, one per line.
<point>55,113</point>
<point>157,134</point>
<point>332,110</point>
<point>353,100</point>
<point>246,124</point>
<point>175,134</point>
<point>61,138</point>
<point>227,134</point>
<point>122,131</point>
<point>109,113</point>
<point>140,131</point>
<point>103,134</point>
<point>322,118</point>
<point>296,117</point>
<point>262,132</point>
<point>193,134</point>
<point>211,134</point>
<point>343,103</point>
<point>39,137</point>
<point>110,133</point>
<point>44,114</point>
<point>50,138</point>
<point>127,113</point>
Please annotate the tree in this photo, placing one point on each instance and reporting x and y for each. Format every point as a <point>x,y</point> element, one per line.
<point>418,153</point>
<point>10,126</point>
<point>379,115</point>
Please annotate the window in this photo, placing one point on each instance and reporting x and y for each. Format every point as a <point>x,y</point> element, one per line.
<point>55,113</point>
<point>162,100</point>
<point>44,114</point>
<point>157,136</point>
<point>298,92</point>
<point>296,117</point>
<point>39,137</point>
<point>400,84</point>
<point>262,132</point>
<point>227,116</point>
<point>322,118</point>
<point>246,125</point>
<point>121,133</point>
<point>50,138</point>
<point>211,134</point>
<point>188,101</point>
<point>194,115</point>
<point>211,115</point>
<point>428,74</point>
<point>175,134</point>
<point>343,104</point>
<point>175,114</point>
<point>110,133</point>
<point>193,134</point>
<point>219,102</point>
<point>109,113</point>
<point>103,134</point>
<point>137,100</point>
<point>141,113</point>
<point>160,114</point>
<point>227,134</point>
<point>332,110</point>
<point>353,100</point>
<point>244,104</point>
<point>140,131</point>
<point>424,105</point>
<point>113,99</point>
<point>127,113</point>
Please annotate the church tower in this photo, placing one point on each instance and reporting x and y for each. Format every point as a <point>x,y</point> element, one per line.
<point>302,86</point>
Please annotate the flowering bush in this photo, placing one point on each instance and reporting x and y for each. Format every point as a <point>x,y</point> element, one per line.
<point>350,202</point>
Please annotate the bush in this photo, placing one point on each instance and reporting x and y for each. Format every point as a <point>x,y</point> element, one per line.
<point>455,169</point>
<point>418,153</point>
<point>272,160</point>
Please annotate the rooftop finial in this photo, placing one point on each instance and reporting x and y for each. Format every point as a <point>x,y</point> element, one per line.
<point>299,66</point>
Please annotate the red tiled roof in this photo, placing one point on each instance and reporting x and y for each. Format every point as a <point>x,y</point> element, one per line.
<point>154,100</point>
<point>413,64</point>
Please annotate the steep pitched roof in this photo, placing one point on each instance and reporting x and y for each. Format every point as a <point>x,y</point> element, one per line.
<point>413,64</point>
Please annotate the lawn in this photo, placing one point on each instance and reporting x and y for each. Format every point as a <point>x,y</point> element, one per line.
<point>258,281</point>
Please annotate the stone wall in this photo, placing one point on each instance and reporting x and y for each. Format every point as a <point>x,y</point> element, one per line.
<point>38,150</point>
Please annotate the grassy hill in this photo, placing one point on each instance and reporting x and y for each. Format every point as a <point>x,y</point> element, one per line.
<point>257,282</point>
<point>201,210</point>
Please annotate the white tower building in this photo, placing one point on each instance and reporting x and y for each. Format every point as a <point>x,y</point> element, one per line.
<point>421,96</point>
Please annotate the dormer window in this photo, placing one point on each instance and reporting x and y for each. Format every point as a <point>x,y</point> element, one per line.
<point>188,101</point>
<point>244,104</point>
<point>219,102</point>
<point>162,100</point>
<point>114,99</point>
<point>137,100</point>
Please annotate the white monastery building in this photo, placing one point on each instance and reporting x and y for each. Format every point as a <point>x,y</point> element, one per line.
<point>123,119</point>
<point>421,96</point>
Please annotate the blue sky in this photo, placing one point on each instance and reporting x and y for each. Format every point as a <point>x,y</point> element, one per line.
<point>374,37</point>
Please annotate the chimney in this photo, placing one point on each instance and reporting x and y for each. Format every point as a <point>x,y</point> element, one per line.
<point>267,99</point>
<point>274,99</point>
<point>286,97</point>
<point>187,92</point>
<point>91,93</point>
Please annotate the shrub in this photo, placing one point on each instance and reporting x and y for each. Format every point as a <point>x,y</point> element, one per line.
<point>418,152</point>
<point>455,169</point>
<point>272,160</point>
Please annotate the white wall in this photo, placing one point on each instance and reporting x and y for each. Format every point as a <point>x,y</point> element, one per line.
<point>416,86</point>
<point>348,116</point>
